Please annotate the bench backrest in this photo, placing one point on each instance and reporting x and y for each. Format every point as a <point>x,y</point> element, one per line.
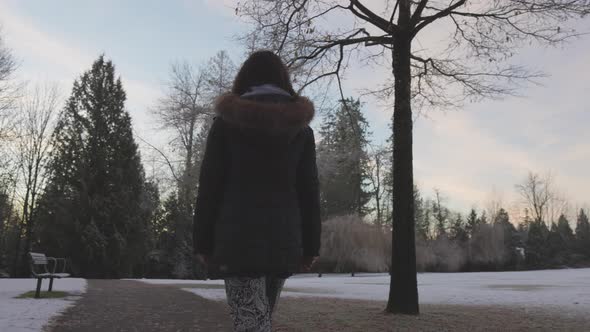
<point>38,259</point>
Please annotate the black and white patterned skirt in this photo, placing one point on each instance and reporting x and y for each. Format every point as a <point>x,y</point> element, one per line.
<point>252,301</point>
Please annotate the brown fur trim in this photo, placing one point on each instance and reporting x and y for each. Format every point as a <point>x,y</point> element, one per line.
<point>265,115</point>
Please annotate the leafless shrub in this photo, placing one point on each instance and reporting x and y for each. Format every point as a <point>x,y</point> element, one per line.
<point>351,245</point>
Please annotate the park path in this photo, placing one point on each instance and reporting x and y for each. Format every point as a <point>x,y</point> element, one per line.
<point>130,306</point>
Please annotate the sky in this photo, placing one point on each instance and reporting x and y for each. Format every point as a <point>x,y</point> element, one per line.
<point>472,155</point>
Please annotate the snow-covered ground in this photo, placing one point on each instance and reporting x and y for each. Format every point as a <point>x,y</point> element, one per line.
<point>28,315</point>
<point>566,289</point>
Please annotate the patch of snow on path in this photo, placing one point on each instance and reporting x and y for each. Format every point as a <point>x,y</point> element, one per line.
<point>208,293</point>
<point>567,289</point>
<point>30,315</point>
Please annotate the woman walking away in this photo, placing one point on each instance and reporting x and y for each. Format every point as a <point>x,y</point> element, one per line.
<point>257,218</point>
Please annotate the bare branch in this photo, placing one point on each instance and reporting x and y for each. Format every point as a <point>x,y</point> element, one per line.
<point>395,7</point>
<point>429,19</point>
<point>484,36</point>
<point>296,11</point>
<point>9,88</point>
<point>159,151</point>
<point>371,17</point>
<point>418,12</point>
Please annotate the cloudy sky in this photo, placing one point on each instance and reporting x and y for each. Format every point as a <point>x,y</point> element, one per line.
<point>472,155</point>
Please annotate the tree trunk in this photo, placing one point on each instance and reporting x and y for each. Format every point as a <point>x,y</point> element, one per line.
<point>378,203</point>
<point>403,292</point>
<point>15,262</point>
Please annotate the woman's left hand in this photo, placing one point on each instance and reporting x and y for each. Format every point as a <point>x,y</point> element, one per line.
<point>307,262</point>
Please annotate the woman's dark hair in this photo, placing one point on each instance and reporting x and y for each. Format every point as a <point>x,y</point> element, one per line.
<point>262,67</point>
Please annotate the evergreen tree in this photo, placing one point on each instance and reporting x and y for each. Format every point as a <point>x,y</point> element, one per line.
<point>565,232</point>
<point>458,232</point>
<point>522,229</point>
<point>93,210</point>
<point>179,248</point>
<point>472,222</point>
<point>583,234</point>
<point>536,251</point>
<point>483,219</point>
<point>509,236</point>
<point>556,247</point>
<point>342,159</point>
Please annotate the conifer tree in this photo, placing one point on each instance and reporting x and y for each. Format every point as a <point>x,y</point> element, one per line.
<point>556,247</point>
<point>93,209</point>
<point>565,232</point>
<point>536,251</point>
<point>509,235</point>
<point>343,161</point>
<point>472,222</point>
<point>458,232</point>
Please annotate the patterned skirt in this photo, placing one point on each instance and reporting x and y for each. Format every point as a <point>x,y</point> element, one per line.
<point>252,301</point>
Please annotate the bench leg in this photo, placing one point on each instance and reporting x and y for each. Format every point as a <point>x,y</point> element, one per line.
<point>38,291</point>
<point>50,284</point>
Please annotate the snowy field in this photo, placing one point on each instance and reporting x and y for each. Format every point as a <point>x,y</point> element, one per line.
<point>568,290</point>
<point>27,315</point>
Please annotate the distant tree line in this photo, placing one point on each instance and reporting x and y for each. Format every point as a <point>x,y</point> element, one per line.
<point>356,200</point>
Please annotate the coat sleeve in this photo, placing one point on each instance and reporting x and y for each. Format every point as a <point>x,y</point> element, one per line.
<point>309,197</point>
<point>210,191</point>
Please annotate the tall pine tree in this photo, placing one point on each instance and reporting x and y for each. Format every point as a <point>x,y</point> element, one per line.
<point>472,222</point>
<point>565,231</point>
<point>342,158</point>
<point>510,239</point>
<point>536,250</point>
<point>93,210</point>
<point>556,247</point>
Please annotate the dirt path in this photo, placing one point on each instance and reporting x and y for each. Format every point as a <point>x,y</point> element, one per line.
<point>129,306</point>
<point>316,314</point>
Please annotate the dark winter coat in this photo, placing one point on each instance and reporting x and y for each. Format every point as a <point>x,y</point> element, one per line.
<point>257,208</point>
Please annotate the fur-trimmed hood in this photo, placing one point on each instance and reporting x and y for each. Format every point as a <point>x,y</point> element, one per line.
<point>273,115</point>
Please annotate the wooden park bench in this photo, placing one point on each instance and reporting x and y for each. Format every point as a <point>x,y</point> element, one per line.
<point>40,270</point>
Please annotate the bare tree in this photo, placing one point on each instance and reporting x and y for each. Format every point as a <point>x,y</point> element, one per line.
<point>187,110</point>
<point>537,193</point>
<point>494,203</point>
<point>219,73</point>
<point>183,110</point>
<point>8,87</point>
<point>377,170</point>
<point>440,214</point>
<point>542,198</point>
<point>482,35</point>
<point>37,112</point>
<point>9,93</point>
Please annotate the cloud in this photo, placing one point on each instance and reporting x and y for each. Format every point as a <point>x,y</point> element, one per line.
<point>47,57</point>
<point>22,35</point>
